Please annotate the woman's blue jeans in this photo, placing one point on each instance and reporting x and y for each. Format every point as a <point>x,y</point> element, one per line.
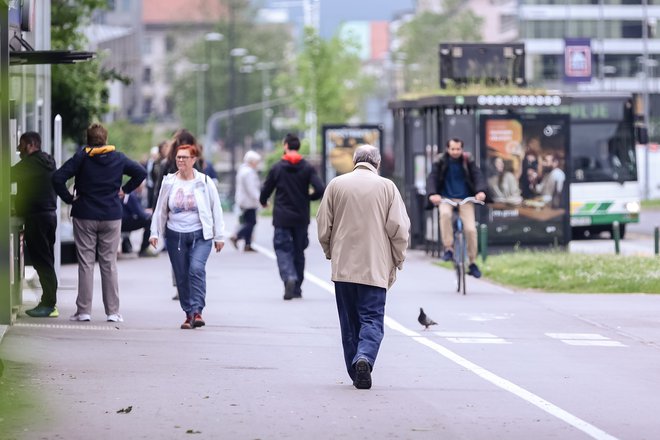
<point>188,252</point>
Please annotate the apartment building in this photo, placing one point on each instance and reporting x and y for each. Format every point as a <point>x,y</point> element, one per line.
<point>116,35</point>
<point>615,30</point>
<point>170,27</point>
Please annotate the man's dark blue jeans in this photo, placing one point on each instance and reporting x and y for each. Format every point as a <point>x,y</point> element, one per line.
<point>290,245</point>
<point>361,311</point>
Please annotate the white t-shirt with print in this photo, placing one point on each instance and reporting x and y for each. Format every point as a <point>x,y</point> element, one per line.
<point>184,215</point>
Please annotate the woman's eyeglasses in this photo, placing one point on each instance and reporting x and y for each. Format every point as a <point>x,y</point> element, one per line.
<point>183,157</point>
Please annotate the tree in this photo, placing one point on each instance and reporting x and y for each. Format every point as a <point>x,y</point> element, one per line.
<point>268,43</point>
<point>79,92</point>
<point>327,78</point>
<point>422,36</point>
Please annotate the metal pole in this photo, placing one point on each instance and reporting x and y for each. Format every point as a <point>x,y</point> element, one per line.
<point>200,100</point>
<point>6,243</point>
<point>232,103</point>
<point>601,52</point>
<point>57,155</point>
<point>645,86</point>
<point>616,234</point>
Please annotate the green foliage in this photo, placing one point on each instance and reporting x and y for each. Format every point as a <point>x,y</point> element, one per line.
<point>558,271</point>
<point>131,139</point>
<point>422,36</point>
<point>329,78</point>
<point>651,204</point>
<point>267,42</point>
<point>79,93</point>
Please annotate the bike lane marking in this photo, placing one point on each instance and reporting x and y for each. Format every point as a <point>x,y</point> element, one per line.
<point>494,379</point>
<point>585,339</point>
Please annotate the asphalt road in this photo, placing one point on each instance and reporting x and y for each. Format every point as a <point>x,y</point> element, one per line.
<point>500,364</point>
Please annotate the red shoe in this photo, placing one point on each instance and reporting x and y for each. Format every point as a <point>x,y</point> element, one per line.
<point>188,323</point>
<point>198,321</point>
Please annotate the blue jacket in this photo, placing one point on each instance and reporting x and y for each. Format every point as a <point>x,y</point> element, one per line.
<point>98,173</point>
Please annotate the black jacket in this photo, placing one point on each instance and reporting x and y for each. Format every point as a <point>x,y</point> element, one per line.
<point>98,172</point>
<point>474,178</point>
<point>34,190</point>
<point>290,178</point>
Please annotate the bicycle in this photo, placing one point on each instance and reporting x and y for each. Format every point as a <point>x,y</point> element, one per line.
<point>460,247</point>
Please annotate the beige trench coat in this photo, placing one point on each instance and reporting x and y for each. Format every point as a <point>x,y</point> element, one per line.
<point>363,227</point>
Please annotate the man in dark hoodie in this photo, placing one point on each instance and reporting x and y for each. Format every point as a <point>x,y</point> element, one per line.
<point>36,204</point>
<point>291,178</point>
<point>97,212</point>
<point>455,175</point>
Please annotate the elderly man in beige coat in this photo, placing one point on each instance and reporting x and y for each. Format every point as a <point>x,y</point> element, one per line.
<point>363,229</point>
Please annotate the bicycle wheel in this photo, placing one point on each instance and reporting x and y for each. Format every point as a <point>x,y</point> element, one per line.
<point>462,264</point>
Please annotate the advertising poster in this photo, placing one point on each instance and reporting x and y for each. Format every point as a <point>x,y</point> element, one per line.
<point>525,160</point>
<point>577,60</point>
<point>339,143</point>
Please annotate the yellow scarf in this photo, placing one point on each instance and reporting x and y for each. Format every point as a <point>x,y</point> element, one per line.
<point>93,151</point>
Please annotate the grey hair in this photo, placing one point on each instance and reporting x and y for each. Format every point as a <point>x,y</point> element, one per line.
<point>251,156</point>
<point>367,153</point>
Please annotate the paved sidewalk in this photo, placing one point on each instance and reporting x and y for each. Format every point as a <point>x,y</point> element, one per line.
<point>262,367</point>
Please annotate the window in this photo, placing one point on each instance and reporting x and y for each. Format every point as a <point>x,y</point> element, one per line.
<point>146,75</point>
<point>170,43</point>
<point>147,106</point>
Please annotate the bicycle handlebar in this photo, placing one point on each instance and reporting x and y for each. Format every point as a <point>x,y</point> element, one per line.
<point>462,202</point>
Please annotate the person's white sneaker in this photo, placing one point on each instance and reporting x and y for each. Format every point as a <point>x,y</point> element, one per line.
<point>80,317</point>
<point>116,317</point>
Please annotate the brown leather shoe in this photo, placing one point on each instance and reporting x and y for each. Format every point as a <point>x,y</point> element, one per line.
<point>188,323</point>
<point>234,241</point>
<point>248,248</point>
<point>198,321</point>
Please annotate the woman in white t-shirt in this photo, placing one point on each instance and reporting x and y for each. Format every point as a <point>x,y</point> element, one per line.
<point>189,216</point>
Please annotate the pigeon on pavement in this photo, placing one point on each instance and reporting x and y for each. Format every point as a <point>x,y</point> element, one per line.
<point>425,320</point>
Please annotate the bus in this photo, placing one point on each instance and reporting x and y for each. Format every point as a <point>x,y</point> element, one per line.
<point>603,170</point>
<point>601,166</point>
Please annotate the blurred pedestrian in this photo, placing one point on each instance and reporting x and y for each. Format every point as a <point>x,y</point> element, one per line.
<point>363,229</point>
<point>135,217</point>
<point>291,179</point>
<point>98,169</point>
<point>188,216</point>
<point>36,204</point>
<point>247,198</point>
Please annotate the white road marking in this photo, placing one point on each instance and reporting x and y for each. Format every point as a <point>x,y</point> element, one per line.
<point>472,338</point>
<point>579,336</point>
<point>496,380</point>
<point>585,339</point>
<point>483,317</point>
<point>595,343</point>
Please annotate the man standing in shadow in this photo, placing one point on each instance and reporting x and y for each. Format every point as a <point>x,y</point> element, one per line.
<point>36,204</point>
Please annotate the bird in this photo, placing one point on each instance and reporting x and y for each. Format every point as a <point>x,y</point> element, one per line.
<point>425,320</point>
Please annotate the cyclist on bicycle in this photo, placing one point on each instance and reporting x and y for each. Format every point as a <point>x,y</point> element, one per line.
<point>455,175</point>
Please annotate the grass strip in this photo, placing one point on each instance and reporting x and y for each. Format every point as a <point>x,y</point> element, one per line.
<point>559,271</point>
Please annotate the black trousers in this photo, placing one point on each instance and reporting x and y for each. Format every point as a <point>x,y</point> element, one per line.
<point>248,221</point>
<point>128,225</point>
<point>40,242</point>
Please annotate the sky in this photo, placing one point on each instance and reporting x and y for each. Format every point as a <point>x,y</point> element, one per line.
<point>334,12</point>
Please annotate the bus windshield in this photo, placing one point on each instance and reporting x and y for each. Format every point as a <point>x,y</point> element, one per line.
<point>603,152</point>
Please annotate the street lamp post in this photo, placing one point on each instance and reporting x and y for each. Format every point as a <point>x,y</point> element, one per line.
<point>200,69</point>
<point>233,53</point>
<point>645,89</point>
<point>266,91</point>
<point>209,38</point>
